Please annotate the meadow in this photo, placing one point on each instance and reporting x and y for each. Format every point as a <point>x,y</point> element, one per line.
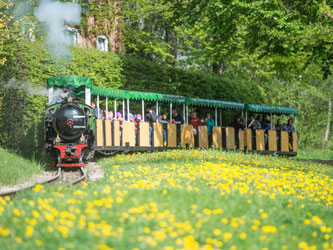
<point>186,199</point>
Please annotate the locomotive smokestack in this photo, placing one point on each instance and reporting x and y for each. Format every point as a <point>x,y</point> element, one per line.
<point>56,15</point>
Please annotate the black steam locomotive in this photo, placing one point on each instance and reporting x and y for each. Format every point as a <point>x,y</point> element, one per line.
<point>69,129</point>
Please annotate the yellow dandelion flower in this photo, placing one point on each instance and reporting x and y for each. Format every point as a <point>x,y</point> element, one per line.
<point>264,216</point>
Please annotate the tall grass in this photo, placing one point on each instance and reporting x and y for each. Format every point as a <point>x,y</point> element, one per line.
<point>15,169</point>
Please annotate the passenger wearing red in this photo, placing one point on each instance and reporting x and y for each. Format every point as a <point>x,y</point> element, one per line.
<point>195,122</point>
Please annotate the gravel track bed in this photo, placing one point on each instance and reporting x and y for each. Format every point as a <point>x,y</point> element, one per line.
<point>69,175</point>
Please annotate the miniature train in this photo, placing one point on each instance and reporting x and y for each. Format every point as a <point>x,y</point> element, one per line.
<point>73,133</point>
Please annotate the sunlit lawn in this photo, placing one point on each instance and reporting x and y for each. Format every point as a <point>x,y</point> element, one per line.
<point>313,154</point>
<point>179,199</point>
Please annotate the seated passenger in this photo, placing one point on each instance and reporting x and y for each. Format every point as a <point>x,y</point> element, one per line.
<point>177,118</point>
<point>265,122</point>
<point>254,124</point>
<point>151,116</point>
<point>269,127</point>
<point>210,123</point>
<point>164,119</point>
<point>234,122</point>
<point>109,115</point>
<point>136,120</point>
<point>93,105</point>
<point>195,122</point>
<point>289,127</point>
<point>102,113</point>
<point>279,125</point>
<point>240,122</point>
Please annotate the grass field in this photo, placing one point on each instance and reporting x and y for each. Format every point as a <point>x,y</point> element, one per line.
<point>15,169</point>
<point>179,199</point>
<point>313,154</point>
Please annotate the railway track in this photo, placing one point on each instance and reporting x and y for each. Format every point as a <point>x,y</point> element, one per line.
<point>50,180</point>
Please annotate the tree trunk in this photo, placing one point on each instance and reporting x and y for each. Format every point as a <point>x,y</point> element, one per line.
<point>170,39</point>
<point>329,117</point>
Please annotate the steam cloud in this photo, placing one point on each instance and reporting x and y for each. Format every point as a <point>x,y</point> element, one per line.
<point>26,86</point>
<point>55,15</point>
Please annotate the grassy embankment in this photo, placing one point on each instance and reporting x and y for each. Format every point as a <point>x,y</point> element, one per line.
<point>15,169</point>
<point>179,199</point>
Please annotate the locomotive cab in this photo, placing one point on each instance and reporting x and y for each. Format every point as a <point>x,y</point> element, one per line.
<point>69,121</point>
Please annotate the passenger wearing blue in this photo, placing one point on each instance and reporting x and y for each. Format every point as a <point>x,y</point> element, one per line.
<point>210,123</point>
<point>289,127</point>
<point>164,119</point>
<point>93,105</point>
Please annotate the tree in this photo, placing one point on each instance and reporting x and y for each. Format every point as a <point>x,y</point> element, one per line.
<point>272,27</point>
<point>5,19</point>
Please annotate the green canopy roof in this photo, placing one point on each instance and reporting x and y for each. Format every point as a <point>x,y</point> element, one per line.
<point>214,103</point>
<point>172,98</point>
<point>111,93</point>
<point>75,81</point>
<point>270,109</point>
<point>125,94</point>
<point>147,96</point>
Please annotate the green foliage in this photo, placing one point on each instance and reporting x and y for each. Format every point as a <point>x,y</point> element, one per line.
<point>141,74</point>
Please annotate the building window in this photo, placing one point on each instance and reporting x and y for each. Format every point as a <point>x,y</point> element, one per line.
<point>102,43</point>
<point>71,35</point>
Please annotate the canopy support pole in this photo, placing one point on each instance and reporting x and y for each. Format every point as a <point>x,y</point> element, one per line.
<point>295,123</point>
<point>271,121</point>
<point>157,108</point>
<point>242,114</point>
<point>220,118</point>
<point>186,114</point>
<point>170,112</point>
<point>245,119</point>
<point>97,106</point>
<point>115,109</point>
<point>106,106</point>
<point>143,110</point>
<point>216,115</point>
<point>128,110</point>
<point>87,96</point>
<point>123,110</point>
<point>51,95</point>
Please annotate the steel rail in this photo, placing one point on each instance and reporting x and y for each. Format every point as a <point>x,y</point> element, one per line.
<point>15,190</point>
<point>83,176</point>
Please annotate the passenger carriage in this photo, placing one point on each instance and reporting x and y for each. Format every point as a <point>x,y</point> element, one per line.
<point>110,137</point>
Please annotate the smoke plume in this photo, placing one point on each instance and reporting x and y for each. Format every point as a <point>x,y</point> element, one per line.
<point>55,15</point>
